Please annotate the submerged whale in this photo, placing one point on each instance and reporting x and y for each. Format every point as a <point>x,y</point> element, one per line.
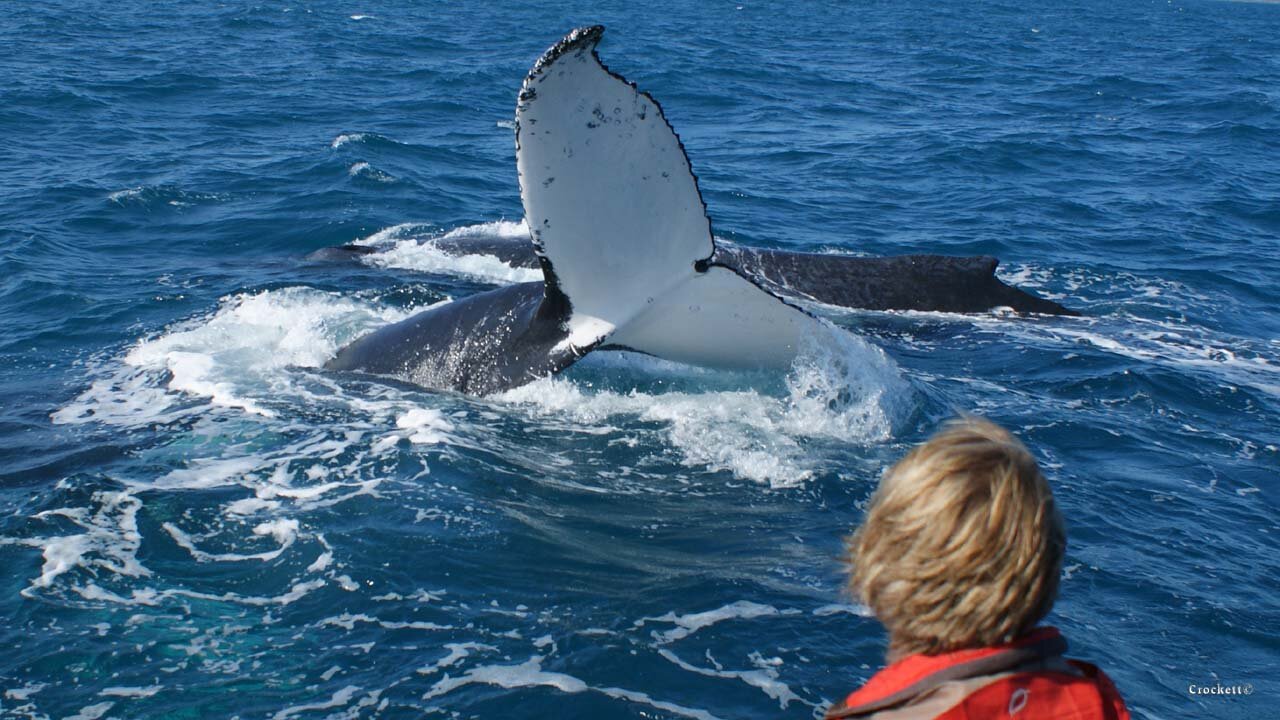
<point>936,283</point>
<point>620,232</point>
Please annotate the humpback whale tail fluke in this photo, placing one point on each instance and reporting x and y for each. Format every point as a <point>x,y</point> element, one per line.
<point>617,221</point>
<point>621,234</point>
<point>624,243</point>
<point>621,229</point>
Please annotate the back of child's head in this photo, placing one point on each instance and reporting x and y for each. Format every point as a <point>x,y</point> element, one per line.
<point>962,545</point>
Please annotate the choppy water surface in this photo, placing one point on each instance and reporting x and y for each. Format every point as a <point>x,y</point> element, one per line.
<point>197,521</point>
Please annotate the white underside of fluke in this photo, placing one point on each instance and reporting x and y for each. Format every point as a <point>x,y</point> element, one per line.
<point>613,205</point>
<point>718,318</point>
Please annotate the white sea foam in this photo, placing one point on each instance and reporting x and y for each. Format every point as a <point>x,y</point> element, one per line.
<point>150,597</point>
<point>457,653</point>
<point>110,540</point>
<point>322,562</point>
<point>348,621</point>
<point>131,692</point>
<point>236,376</point>
<point>410,246</point>
<point>245,355</point>
<point>26,691</point>
<point>363,169</point>
<point>843,608</point>
<point>764,677</point>
<point>345,138</point>
<point>204,473</point>
<point>234,358</point>
<point>765,673</point>
<point>145,195</point>
<point>424,426</point>
<point>1174,345</point>
<point>146,597</point>
<point>527,674</point>
<point>120,196</point>
<point>251,506</point>
<point>689,624</point>
<point>92,712</point>
<point>285,532</point>
<point>429,258</point>
<point>125,397</point>
<point>1066,284</point>
<point>1168,343</point>
<point>505,229</point>
<point>393,233</point>
<point>843,390</point>
<point>108,548</point>
<point>339,699</point>
<point>531,674</point>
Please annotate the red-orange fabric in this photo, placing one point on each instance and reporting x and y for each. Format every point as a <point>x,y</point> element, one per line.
<point>914,668</point>
<point>1044,696</point>
<point>1022,695</point>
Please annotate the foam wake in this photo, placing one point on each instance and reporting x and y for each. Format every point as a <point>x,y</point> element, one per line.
<point>839,389</point>
<point>247,359</point>
<point>413,246</point>
<point>269,440</point>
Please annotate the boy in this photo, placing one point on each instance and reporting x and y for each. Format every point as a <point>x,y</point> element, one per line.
<point>959,557</point>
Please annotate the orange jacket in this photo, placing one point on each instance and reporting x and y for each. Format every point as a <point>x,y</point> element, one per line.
<point>1027,679</point>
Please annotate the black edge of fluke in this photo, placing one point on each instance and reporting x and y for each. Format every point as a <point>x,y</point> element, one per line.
<point>587,38</point>
<point>555,302</point>
<point>584,37</point>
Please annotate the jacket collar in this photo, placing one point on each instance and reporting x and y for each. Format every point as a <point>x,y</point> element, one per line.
<point>916,673</point>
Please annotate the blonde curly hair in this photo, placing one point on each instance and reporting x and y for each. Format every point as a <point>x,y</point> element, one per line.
<point>962,545</point>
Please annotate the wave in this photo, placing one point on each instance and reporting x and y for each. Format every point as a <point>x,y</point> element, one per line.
<point>227,358</point>
<point>364,171</point>
<point>152,196</point>
<point>362,140</point>
<point>503,229</point>
<point>839,389</point>
<point>410,246</point>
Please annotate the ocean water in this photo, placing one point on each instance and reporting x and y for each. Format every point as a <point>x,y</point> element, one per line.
<point>197,521</point>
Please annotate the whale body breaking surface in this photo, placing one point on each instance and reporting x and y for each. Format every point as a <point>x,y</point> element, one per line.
<point>621,234</point>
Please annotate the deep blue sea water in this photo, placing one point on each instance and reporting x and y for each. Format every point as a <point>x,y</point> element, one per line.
<point>195,521</point>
